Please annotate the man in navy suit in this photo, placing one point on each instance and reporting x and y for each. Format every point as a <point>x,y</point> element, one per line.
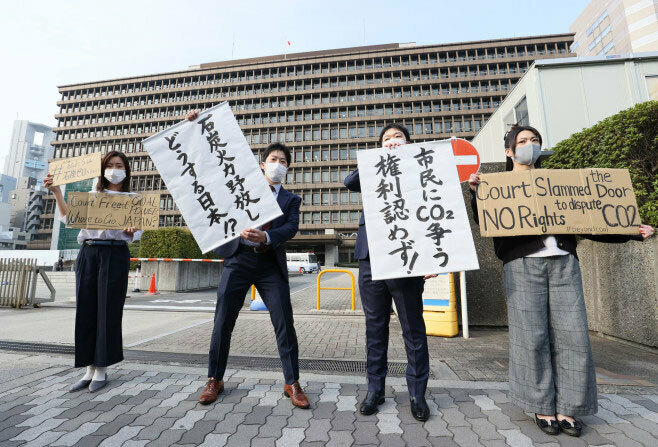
<point>259,257</point>
<point>376,299</point>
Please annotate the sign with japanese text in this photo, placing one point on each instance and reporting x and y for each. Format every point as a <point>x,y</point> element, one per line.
<point>69,170</point>
<point>557,201</point>
<point>213,177</point>
<point>414,211</point>
<point>107,211</point>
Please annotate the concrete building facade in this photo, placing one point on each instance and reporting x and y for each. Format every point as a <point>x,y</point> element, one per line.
<point>325,105</point>
<point>616,27</point>
<point>29,150</point>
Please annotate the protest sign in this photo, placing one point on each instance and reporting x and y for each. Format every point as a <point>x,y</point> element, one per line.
<point>69,170</point>
<point>106,211</point>
<point>213,177</point>
<point>414,211</point>
<point>557,201</point>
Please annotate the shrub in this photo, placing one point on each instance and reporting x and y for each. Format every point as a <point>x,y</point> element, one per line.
<point>170,243</point>
<point>627,140</point>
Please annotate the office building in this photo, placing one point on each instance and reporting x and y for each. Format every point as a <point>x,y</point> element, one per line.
<point>326,105</point>
<point>616,27</point>
<point>29,150</point>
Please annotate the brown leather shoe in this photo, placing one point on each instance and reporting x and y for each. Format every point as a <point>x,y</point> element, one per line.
<point>213,388</point>
<point>296,395</point>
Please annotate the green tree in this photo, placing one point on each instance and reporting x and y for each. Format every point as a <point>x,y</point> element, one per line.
<point>627,140</point>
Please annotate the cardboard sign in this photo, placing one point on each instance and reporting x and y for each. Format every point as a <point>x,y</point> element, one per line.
<point>438,292</point>
<point>213,176</point>
<point>414,211</point>
<point>105,211</point>
<point>69,170</point>
<point>557,201</point>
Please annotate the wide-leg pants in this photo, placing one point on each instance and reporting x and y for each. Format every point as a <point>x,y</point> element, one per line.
<point>240,272</point>
<point>376,298</point>
<point>101,277</point>
<point>551,369</point>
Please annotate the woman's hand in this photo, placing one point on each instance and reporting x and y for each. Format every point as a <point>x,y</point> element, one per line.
<point>192,115</point>
<point>646,231</point>
<point>474,180</point>
<point>130,231</point>
<point>392,144</point>
<point>48,183</point>
<point>433,275</point>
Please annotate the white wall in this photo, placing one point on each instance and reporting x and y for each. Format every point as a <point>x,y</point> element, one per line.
<point>565,98</point>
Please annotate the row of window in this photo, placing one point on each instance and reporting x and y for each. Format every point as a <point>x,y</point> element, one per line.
<point>273,117</point>
<point>551,48</point>
<point>329,197</point>
<point>317,84</point>
<point>290,101</point>
<point>330,217</point>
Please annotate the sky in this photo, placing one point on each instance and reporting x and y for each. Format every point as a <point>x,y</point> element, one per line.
<point>49,43</point>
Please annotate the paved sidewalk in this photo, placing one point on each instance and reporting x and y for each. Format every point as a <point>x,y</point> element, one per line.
<point>156,405</point>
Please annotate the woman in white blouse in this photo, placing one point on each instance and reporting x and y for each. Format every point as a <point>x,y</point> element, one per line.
<point>101,280</point>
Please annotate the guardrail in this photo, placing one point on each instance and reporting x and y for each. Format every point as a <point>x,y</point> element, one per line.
<point>18,283</point>
<point>176,260</point>
<point>336,288</point>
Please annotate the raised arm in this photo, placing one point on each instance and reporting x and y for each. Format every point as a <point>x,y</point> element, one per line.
<point>57,192</point>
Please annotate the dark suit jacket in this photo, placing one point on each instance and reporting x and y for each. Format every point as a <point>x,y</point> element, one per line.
<point>283,229</point>
<point>361,250</point>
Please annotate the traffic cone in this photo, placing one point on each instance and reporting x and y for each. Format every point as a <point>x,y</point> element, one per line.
<point>152,290</point>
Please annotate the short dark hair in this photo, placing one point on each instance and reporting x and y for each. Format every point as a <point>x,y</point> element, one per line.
<point>103,183</point>
<point>510,143</point>
<point>397,126</point>
<point>277,147</point>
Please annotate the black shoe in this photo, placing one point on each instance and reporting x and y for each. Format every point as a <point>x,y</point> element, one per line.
<point>571,429</point>
<point>419,409</point>
<point>548,427</point>
<point>371,402</point>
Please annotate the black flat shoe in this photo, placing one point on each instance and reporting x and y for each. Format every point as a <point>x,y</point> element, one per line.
<point>419,409</point>
<point>371,402</point>
<point>548,427</point>
<point>571,429</point>
<point>80,384</point>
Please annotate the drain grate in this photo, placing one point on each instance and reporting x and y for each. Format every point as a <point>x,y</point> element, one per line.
<point>353,367</point>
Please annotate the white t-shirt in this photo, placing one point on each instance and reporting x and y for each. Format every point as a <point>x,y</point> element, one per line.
<point>550,249</point>
<point>117,235</point>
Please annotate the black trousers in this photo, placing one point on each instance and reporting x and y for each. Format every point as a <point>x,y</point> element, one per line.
<point>101,276</point>
<point>376,298</point>
<point>240,272</point>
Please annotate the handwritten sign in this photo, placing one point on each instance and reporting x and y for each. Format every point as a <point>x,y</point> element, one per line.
<point>213,177</point>
<point>557,201</point>
<point>69,170</point>
<point>103,211</point>
<point>414,211</point>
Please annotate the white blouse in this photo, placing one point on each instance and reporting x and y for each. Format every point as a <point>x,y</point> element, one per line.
<point>550,249</point>
<point>117,235</point>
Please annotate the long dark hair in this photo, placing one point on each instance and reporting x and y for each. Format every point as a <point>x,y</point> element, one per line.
<point>397,126</point>
<point>510,143</point>
<point>103,183</point>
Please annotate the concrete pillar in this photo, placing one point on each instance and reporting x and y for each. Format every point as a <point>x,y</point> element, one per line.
<point>330,255</point>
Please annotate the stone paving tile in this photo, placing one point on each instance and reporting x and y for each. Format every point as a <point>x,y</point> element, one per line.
<point>172,416</point>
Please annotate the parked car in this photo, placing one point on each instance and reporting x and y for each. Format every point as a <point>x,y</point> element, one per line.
<point>302,262</point>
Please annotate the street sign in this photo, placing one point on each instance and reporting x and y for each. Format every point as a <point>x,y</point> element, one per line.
<point>467,157</point>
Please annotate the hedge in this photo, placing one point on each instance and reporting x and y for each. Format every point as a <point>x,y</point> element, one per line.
<point>627,140</point>
<point>170,243</point>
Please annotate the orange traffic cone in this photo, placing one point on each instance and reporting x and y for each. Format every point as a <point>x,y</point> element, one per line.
<point>152,290</point>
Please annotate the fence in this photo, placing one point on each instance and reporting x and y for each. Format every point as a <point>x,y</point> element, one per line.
<point>18,283</point>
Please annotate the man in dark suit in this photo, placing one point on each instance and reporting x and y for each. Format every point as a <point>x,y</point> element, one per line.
<point>258,257</point>
<point>376,298</point>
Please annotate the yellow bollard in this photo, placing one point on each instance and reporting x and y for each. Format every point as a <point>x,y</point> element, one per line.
<point>336,288</point>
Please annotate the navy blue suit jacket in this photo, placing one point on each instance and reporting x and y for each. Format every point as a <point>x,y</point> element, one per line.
<point>283,229</point>
<point>361,250</point>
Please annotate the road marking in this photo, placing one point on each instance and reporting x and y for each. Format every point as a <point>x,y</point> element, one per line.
<point>168,333</point>
<point>190,308</point>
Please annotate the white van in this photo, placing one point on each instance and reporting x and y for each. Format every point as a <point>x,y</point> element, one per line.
<point>302,262</point>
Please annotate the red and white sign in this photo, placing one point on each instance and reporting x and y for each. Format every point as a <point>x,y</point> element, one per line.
<point>467,158</point>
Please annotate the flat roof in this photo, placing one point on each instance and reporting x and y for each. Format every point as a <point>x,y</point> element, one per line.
<point>597,59</point>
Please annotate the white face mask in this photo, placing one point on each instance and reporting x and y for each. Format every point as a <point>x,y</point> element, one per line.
<point>527,154</point>
<point>115,176</point>
<point>392,141</point>
<point>275,172</point>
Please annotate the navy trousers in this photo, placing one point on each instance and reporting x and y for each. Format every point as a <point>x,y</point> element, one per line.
<point>101,276</point>
<point>240,272</point>
<point>376,299</point>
